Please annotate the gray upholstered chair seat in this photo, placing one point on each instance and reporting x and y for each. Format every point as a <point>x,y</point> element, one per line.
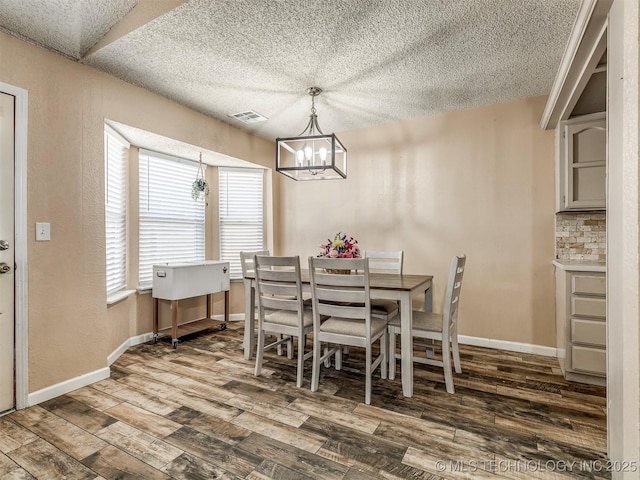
<point>289,318</point>
<point>386,307</point>
<point>425,321</point>
<point>347,326</point>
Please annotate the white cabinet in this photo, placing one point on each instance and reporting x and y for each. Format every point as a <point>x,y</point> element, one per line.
<point>581,309</point>
<point>582,167</point>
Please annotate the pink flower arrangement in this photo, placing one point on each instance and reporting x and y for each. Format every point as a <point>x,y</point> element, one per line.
<point>342,246</point>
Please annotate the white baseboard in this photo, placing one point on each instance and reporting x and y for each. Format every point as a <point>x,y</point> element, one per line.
<point>67,386</point>
<point>129,342</point>
<point>146,337</point>
<point>510,346</point>
<point>138,339</point>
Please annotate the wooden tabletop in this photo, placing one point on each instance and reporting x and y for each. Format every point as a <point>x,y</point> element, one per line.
<point>389,281</point>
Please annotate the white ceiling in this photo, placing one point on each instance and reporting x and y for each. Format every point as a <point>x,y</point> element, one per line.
<point>378,61</point>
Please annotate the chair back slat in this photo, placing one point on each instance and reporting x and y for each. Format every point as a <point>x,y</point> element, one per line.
<point>452,297</point>
<point>353,279</point>
<point>276,303</point>
<point>278,275</point>
<point>385,261</point>
<point>329,293</point>
<point>282,289</point>
<point>341,311</point>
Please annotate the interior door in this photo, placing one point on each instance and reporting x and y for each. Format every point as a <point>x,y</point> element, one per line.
<point>7,320</point>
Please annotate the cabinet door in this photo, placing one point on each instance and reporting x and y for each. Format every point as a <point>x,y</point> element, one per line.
<point>585,164</point>
<point>589,360</point>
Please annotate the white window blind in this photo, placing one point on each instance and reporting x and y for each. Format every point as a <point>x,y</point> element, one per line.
<point>171,221</point>
<point>241,214</point>
<point>116,159</point>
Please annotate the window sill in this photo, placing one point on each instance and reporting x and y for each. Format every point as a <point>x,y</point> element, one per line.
<point>119,296</point>
<point>144,290</point>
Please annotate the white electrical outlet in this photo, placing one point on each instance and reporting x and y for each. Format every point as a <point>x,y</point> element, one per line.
<point>43,232</point>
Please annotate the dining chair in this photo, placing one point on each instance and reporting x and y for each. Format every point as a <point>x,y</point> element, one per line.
<point>345,300</point>
<point>281,308</point>
<point>435,326</point>
<point>246,263</point>
<point>384,261</point>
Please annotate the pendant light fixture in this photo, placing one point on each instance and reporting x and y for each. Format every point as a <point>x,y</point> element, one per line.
<point>312,155</point>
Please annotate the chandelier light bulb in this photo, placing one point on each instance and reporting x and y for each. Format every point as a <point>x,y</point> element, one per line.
<point>308,152</point>
<point>299,157</point>
<point>323,155</point>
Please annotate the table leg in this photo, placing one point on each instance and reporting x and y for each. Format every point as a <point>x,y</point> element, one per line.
<point>428,307</point>
<point>406,344</point>
<point>249,319</point>
<point>428,299</point>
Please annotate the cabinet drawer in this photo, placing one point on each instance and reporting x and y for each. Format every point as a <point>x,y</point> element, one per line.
<point>588,284</point>
<point>593,332</point>
<point>587,359</point>
<point>589,307</point>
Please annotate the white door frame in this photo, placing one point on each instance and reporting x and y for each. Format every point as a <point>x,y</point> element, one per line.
<point>20,250</point>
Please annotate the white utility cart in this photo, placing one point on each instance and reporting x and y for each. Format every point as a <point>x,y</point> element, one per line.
<point>178,281</point>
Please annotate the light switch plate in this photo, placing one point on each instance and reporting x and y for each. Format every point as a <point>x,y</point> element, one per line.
<point>43,232</point>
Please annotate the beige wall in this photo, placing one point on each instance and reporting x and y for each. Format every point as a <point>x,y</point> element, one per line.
<point>70,331</point>
<point>479,182</point>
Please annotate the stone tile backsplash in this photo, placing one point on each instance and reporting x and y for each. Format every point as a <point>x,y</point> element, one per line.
<point>581,236</point>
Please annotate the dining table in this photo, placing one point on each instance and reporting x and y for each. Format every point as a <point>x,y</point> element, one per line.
<point>389,286</point>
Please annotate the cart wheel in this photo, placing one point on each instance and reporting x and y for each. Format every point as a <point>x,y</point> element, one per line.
<point>155,339</point>
<point>223,326</point>
<point>175,344</point>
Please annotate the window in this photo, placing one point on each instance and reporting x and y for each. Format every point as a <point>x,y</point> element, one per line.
<point>241,214</point>
<point>116,156</point>
<point>171,221</point>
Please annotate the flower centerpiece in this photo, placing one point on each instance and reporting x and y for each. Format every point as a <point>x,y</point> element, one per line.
<point>342,246</point>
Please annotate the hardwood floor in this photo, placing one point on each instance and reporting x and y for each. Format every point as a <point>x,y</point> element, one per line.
<point>199,413</point>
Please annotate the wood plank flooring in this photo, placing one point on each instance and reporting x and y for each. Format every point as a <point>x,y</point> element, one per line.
<point>198,412</point>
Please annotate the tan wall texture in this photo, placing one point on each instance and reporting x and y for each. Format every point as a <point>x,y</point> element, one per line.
<point>70,330</point>
<point>479,182</point>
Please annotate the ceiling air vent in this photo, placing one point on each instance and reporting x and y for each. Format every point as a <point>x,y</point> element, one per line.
<point>248,117</point>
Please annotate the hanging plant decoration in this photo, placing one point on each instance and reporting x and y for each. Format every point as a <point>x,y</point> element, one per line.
<point>200,185</point>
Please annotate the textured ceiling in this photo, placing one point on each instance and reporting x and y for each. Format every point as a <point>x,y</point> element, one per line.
<point>69,26</point>
<point>378,61</point>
